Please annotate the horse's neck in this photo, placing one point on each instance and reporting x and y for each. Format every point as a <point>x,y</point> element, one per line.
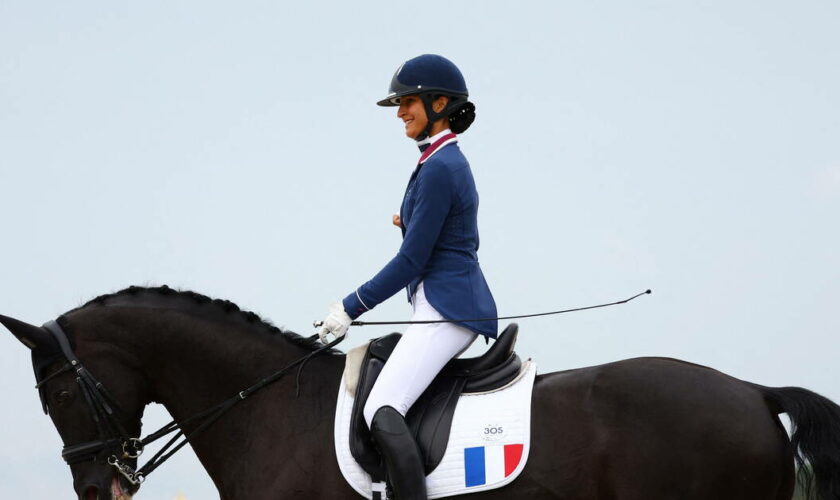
<point>194,365</point>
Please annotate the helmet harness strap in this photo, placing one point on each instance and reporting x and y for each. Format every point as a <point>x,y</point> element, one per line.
<point>428,99</point>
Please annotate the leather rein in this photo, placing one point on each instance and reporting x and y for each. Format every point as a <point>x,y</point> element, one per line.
<point>114,444</point>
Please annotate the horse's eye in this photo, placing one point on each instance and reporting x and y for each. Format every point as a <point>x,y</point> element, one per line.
<point>63,396</point>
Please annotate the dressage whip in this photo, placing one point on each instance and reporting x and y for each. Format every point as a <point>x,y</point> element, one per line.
<point>317,324</point>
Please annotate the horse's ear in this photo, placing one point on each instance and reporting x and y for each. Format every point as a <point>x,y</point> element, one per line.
<point>31,336</point>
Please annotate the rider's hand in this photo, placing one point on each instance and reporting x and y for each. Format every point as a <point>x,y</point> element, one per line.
<point>336,323</point>
<point>395,220</point>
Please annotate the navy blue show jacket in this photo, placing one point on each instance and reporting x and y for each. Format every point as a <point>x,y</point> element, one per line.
<point>440,246</point>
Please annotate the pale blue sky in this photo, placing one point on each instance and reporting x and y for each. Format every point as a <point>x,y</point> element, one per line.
<point>688,147</point>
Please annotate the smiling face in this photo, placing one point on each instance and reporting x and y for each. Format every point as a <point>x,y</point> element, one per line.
<point>413,114</point>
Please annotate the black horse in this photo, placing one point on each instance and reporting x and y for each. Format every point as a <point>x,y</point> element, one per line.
<point>648,428</point>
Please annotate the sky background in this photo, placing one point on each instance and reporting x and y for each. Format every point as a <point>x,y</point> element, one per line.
<point>235,149</point>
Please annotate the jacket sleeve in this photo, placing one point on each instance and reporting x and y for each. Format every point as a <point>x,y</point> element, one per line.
<point>433,193</point>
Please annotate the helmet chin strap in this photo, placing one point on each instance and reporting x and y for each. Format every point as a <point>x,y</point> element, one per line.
<point>431,115</point>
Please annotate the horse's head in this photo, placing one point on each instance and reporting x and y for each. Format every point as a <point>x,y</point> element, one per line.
<point>92,421</point>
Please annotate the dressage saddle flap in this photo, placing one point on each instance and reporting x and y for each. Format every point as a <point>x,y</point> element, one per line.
<point>382,347</point>
<point>430,418</point>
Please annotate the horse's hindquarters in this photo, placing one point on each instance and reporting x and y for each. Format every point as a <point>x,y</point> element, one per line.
<point>654,428</point>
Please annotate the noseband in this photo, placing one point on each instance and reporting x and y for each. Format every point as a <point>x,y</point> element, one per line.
<point>114,444</point>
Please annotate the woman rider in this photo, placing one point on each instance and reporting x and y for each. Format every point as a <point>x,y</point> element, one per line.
<point>437,263</point>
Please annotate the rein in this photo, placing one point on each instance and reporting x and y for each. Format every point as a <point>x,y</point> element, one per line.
<point>115,442</point>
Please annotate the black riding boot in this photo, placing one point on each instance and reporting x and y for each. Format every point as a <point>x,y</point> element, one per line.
<point>401,454</point>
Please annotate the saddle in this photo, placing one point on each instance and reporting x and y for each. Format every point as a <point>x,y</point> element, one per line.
<point>430,418</point>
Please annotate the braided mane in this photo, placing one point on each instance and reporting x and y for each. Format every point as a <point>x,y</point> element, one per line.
<point>198,303</point>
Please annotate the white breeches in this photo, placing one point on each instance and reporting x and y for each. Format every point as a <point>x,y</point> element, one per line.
<point>418,357</point>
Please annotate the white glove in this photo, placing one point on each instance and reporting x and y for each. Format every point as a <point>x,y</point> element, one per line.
<point>336,323</point>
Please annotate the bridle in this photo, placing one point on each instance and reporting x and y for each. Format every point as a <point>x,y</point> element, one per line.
<point>113,440</point>
<point>115,445</point>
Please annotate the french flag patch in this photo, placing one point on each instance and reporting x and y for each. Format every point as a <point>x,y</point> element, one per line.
<point>490,464</point>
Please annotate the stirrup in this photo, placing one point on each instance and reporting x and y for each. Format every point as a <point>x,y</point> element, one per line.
<point>380,491</point>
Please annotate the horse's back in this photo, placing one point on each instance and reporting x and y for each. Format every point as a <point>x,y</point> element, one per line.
<point>654,428</point>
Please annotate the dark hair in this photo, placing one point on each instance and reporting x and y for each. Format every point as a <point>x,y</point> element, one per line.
<point>463,116</point>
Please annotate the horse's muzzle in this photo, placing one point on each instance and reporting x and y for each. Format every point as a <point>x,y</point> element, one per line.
<point>106,485</point>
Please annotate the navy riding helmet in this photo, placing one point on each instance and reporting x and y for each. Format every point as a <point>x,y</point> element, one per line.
<point>430,76</point>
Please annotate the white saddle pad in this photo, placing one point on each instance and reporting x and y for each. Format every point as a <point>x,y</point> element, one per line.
<point>488,445</point>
